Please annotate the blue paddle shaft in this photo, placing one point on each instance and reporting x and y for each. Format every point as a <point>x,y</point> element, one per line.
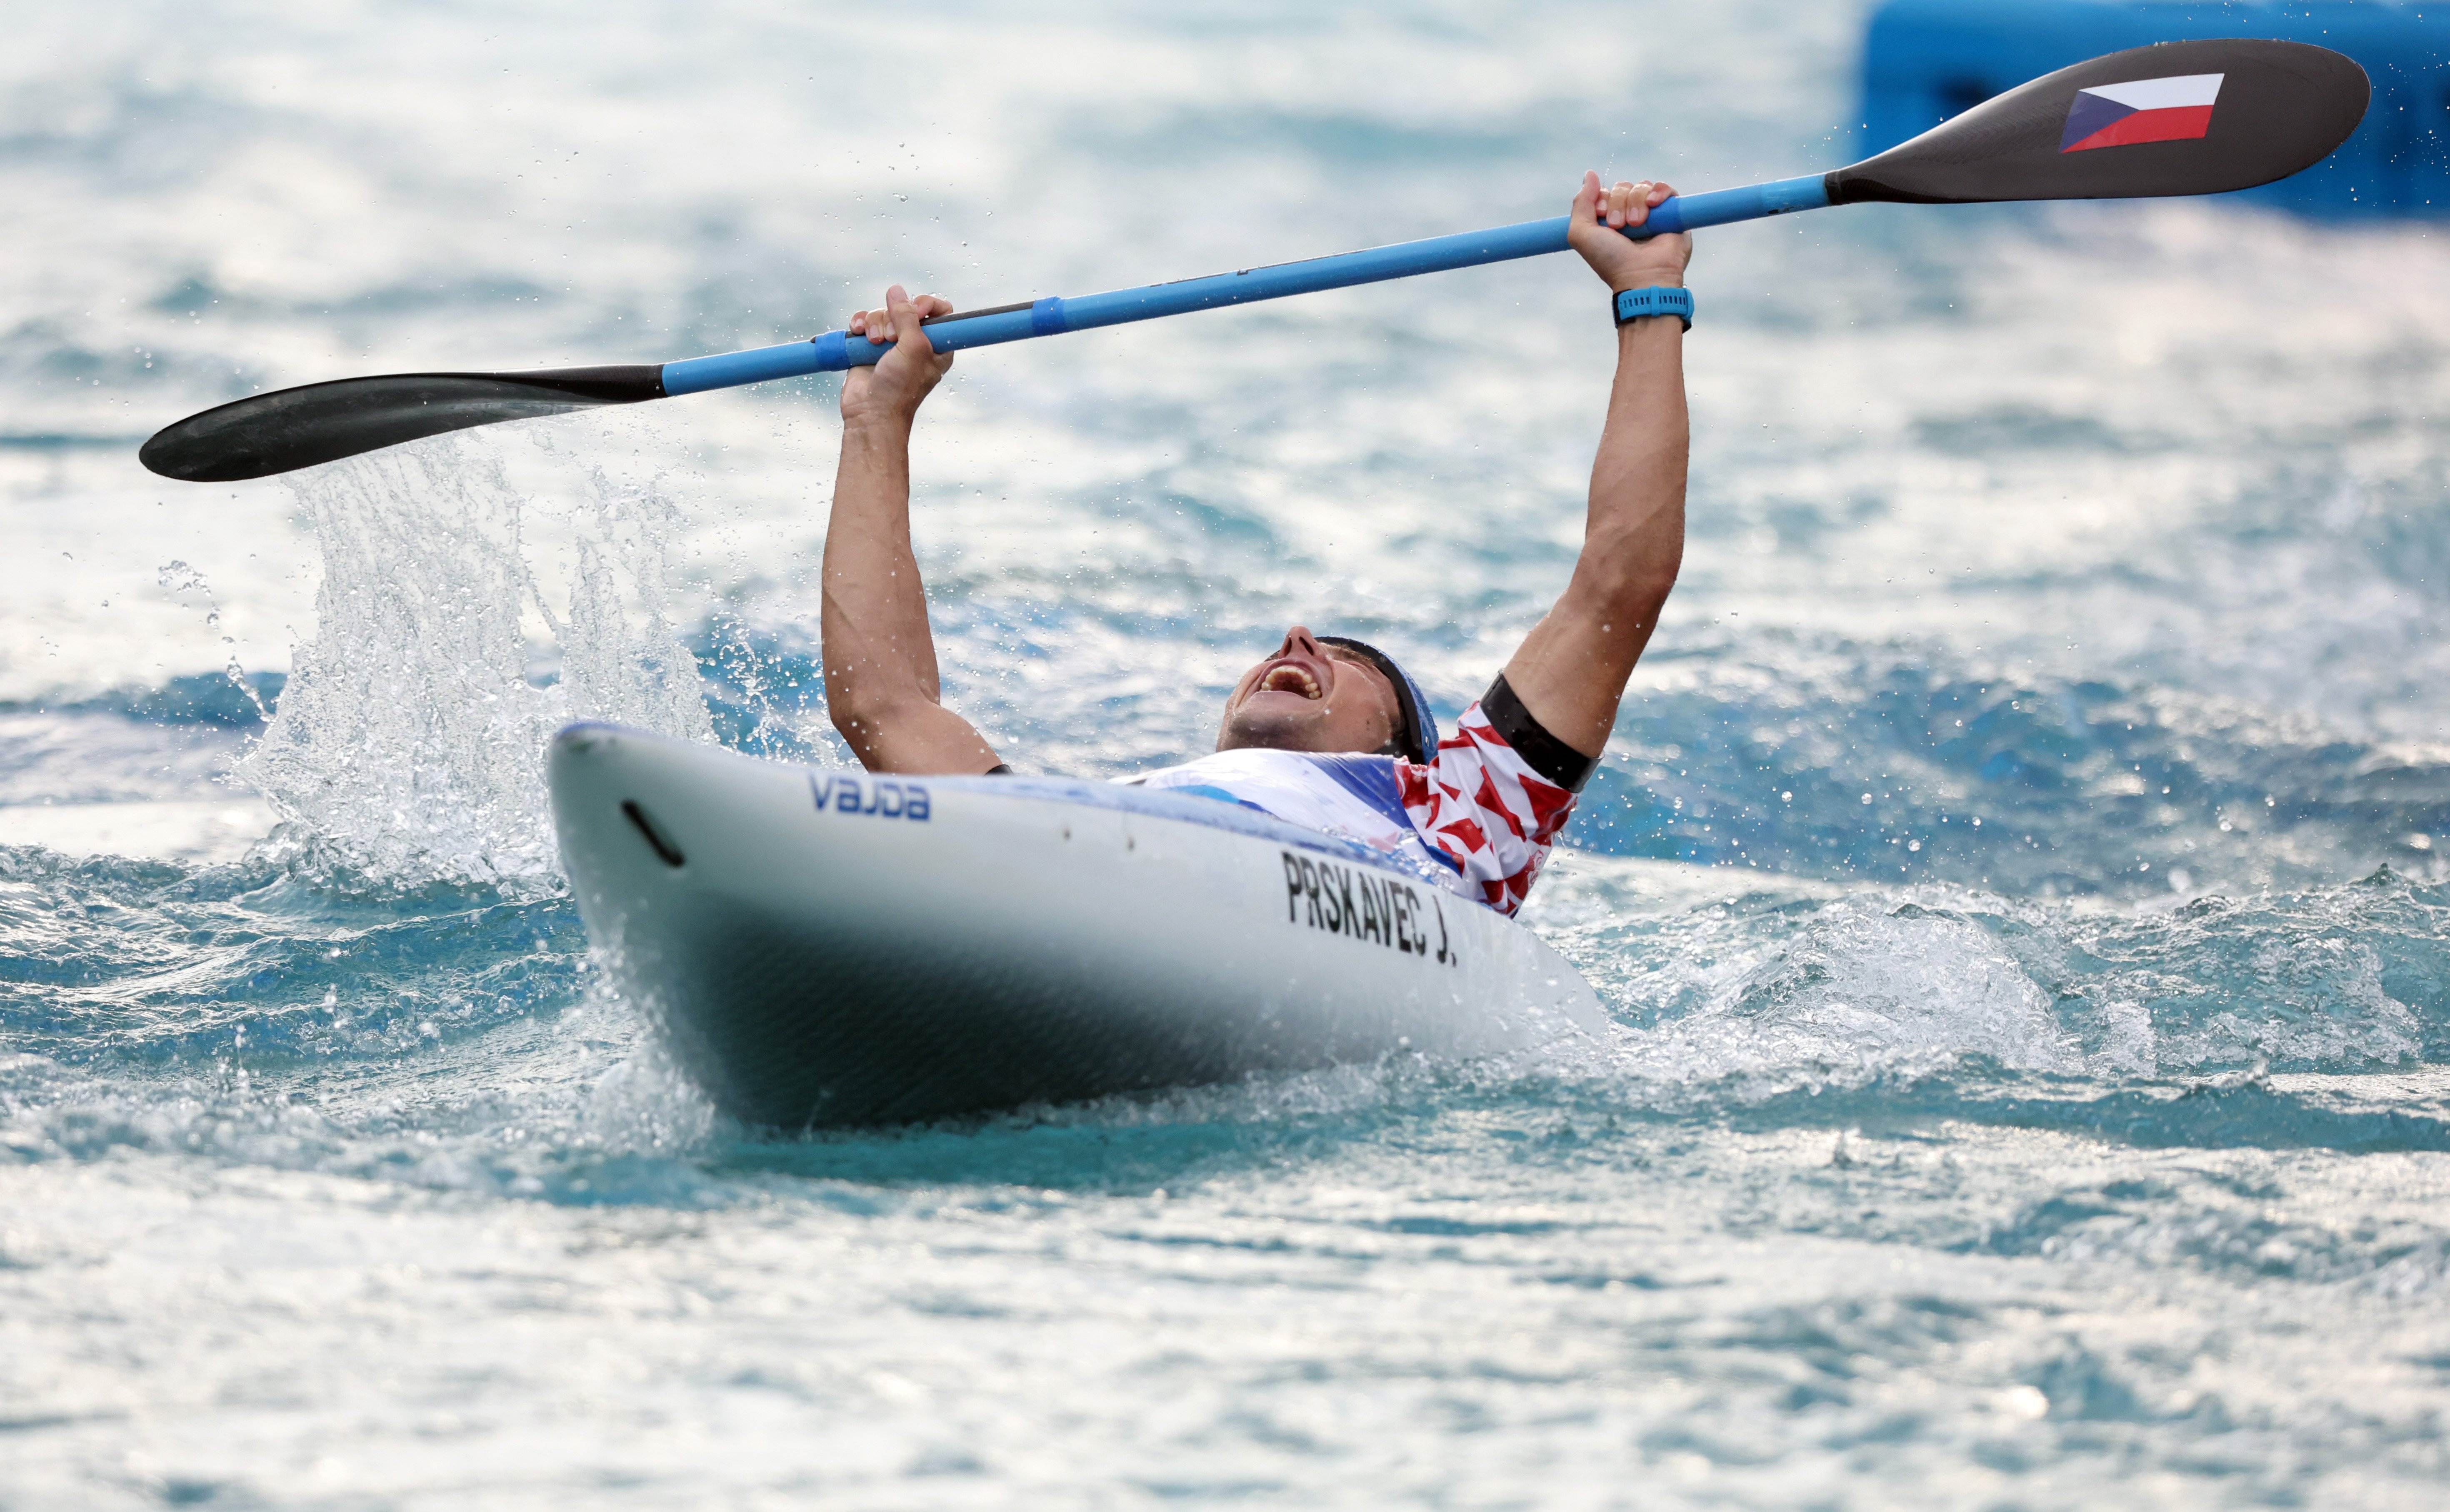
<point>836,350</point>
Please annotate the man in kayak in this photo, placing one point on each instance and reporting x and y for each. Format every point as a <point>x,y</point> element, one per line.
<point>1326,731</point>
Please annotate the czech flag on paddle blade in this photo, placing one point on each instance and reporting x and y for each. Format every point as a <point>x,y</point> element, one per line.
<point>2117,115</point>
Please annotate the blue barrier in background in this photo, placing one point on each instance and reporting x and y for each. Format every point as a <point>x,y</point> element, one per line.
<point>1927,60</point>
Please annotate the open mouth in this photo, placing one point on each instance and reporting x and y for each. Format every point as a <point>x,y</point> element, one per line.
<point>1289,677</point>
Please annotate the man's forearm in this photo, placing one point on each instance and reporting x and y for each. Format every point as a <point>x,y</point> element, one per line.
<point>877,643</point>
<point>1634,534</point>
<point>880,655</point>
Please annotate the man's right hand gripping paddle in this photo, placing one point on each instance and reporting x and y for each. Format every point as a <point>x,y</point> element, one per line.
<point>903,378</point>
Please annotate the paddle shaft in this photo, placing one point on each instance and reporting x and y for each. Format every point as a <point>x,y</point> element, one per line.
<point>836,350</point>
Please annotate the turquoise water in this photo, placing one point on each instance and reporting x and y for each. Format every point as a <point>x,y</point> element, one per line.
<point>2016,880</point>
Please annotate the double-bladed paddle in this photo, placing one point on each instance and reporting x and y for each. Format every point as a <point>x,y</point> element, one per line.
<point>2176,118</point>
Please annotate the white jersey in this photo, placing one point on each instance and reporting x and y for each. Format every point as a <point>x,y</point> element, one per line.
<point>1479,817</point>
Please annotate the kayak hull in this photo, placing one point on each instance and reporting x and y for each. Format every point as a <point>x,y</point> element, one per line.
<point>827,948</point>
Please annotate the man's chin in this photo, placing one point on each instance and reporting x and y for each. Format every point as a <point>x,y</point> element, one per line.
<point>1270,735</point>
<point>1310,735</point>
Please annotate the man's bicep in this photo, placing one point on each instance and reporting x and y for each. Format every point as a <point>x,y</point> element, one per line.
<point>919,738</point>
<point>1570,672</point>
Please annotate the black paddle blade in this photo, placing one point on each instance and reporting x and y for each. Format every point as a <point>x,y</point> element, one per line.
<point>323,422</point>
<point>2175,118</point>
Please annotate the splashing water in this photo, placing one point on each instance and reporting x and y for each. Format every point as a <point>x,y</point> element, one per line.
<point>182,580</point>
<point>409,738</point>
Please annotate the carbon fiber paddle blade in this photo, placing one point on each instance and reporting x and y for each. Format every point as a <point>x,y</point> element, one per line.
<point>323,422</point>
<point>2175,118</point>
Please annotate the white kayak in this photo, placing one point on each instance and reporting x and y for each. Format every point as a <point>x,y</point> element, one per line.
<point>823,947</point>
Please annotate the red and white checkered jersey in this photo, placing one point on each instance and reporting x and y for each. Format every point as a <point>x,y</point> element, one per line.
<point>1482,808</point>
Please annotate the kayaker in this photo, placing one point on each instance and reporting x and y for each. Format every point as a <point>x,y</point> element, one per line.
<point>1326,731</point>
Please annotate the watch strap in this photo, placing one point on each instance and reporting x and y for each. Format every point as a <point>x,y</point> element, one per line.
<point>1657,298</point>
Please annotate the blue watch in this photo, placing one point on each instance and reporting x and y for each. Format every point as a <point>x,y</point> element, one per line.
<point>1634,304</point>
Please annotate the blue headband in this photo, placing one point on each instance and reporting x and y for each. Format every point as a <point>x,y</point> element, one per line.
<point>1417,729</point>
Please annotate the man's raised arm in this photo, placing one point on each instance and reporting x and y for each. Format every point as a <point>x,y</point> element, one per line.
<point>880,655</point>
<point>1571,669</point>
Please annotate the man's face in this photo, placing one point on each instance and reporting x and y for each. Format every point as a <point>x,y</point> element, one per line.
<point>1311,697</point>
